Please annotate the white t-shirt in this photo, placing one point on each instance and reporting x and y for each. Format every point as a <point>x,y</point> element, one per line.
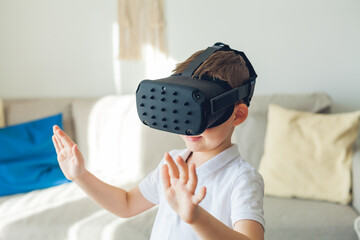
<point>235,191</point>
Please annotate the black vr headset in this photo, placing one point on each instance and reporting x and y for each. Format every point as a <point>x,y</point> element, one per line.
<point>187,106</point>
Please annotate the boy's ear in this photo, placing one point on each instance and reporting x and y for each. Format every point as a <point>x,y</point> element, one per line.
<point>241,112</point>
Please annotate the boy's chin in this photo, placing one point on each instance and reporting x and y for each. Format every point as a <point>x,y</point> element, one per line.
<point>194,146</point>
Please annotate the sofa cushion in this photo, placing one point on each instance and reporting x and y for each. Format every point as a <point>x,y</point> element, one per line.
<point>121,144</point>
<point>297,219</point>
<point>27,157</point>
<point>356,179</point>
<point>308,155</point>
<point>250,135</point>
<point>24,110</point>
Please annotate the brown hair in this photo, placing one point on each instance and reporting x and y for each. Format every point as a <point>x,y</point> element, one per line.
<point>225,65</point>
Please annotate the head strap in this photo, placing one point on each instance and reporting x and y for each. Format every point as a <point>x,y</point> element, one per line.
<point>195,64</point>
<point>245,91</point>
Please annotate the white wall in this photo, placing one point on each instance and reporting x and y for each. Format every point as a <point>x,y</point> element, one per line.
<point>295,46</point>
<point>56,48</point>
<point>64,48</point>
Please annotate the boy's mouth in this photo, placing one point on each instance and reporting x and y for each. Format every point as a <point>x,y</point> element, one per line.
<point>193,138</point>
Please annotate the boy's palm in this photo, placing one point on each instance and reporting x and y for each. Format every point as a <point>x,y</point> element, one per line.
<point>69,157</point>
<point>179,187</point>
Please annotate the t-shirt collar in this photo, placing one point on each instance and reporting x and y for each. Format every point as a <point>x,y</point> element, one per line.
<point>216,162</point>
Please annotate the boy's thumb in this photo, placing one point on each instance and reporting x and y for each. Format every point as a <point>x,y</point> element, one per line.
<point>77,154</point>
<point>200,195</point>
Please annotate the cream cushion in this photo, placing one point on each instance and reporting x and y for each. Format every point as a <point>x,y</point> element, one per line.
<point>308,155</point>
<point>250,135</point>
<point>2,117</point>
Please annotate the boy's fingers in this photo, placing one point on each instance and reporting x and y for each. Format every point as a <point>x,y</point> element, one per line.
<point>60,145</point>
<point>55,127</point>
<point>192,183</point>
<point>65,139</point>
<point>199,196</point>
<point>174,171</point>
<point>165,176</point>
<point>55,144</point>
<point>184,171</point>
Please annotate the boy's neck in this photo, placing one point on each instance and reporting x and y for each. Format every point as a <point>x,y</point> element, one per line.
<point>199,158</point>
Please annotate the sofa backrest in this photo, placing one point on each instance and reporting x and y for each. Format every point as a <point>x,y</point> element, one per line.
<point>23,110</point>
<point>75,114</point>
<point>111,125</point>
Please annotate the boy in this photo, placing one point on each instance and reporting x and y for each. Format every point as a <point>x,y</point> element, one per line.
<point>228,202</point>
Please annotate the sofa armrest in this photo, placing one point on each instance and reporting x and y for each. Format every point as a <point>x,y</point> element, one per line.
<point>356,179</point>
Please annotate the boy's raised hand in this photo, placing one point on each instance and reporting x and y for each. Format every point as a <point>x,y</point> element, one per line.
<point>179,187</point>
<point>69,157</point>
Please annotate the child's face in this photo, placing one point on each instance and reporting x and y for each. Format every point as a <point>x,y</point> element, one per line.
<point>211,139</point>
<point>218,138</point>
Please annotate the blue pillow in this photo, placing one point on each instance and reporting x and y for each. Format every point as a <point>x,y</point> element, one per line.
<point>28,159</point>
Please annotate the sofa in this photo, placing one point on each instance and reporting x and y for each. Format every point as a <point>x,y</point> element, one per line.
<point>121,151</point>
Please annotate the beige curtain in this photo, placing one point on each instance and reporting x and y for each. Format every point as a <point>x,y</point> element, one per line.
<point>140,22</point>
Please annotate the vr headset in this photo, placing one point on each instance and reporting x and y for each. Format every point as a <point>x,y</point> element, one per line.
<point>188,105</point>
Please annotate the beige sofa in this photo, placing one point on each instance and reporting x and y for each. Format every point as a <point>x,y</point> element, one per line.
<point>120,150</point>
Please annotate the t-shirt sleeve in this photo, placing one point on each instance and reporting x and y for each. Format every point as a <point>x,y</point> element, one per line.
<point>149,186</point>
<point>247,198</point>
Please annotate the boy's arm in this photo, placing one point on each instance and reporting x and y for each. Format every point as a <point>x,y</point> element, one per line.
<point>179,187</point>
<point>114,199</point>
<point>208,227</point>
